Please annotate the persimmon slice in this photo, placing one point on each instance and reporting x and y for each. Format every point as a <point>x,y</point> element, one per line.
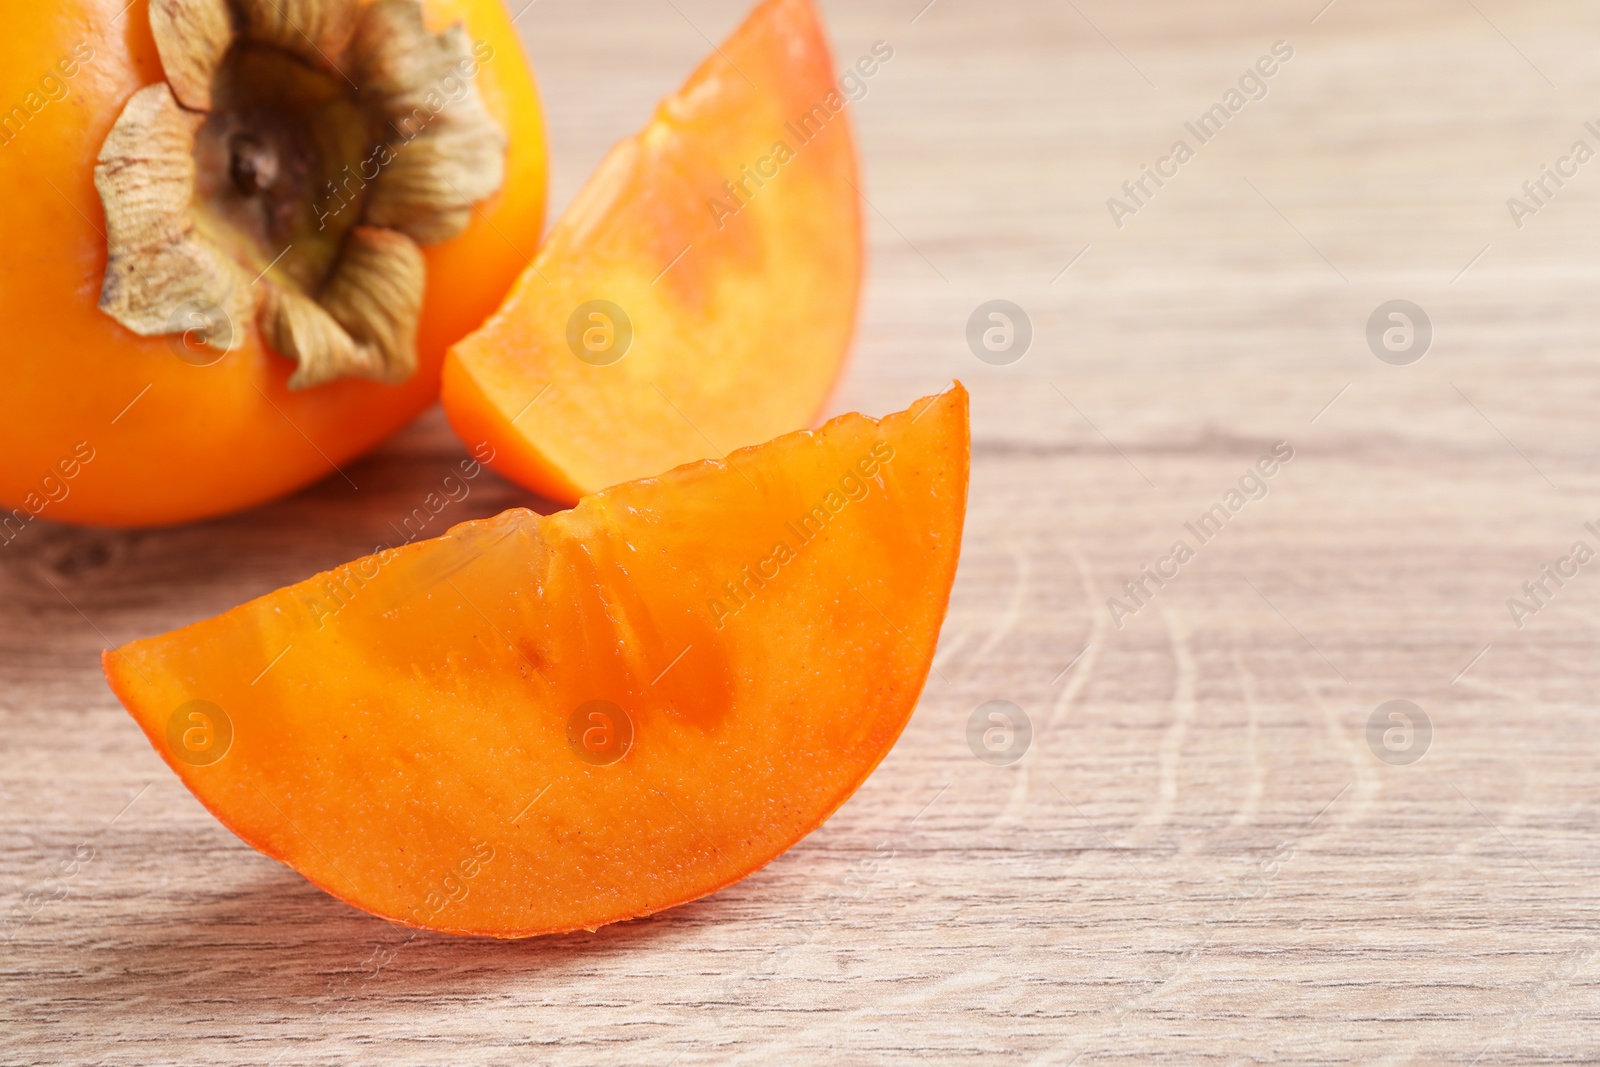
<point>699,293</point>
<point>537,724</point>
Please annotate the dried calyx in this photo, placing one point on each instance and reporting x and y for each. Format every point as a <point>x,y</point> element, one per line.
<point>290,167</point>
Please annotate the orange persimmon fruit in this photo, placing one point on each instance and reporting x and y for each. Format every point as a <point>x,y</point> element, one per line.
<point>700,292</point>
<point>105,425</point>
<point>541,724</point>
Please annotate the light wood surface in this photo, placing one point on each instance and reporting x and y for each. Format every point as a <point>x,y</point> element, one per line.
<point>1199,859</point>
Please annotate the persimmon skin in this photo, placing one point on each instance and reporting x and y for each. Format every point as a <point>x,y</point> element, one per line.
<point>729,232</point>
<point>197,441</point>
<point>410,748</point>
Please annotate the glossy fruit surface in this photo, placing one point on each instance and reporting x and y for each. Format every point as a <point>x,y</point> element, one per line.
<point>698,295</point>
<point>535,724</point>
<point>168,440</point>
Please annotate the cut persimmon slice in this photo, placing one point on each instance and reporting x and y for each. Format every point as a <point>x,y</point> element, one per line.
<point>536,724</point>
<point>699,293</point>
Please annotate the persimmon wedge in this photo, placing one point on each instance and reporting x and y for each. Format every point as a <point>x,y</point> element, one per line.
<point>538,724</point>
<point>700,292</point>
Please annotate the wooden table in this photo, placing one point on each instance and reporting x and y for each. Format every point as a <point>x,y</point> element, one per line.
<point>1200,857</point>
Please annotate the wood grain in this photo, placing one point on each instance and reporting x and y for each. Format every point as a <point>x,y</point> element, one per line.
<point>1199,859</point>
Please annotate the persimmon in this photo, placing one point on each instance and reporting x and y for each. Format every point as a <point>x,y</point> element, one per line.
<point>240,235</point>
<point>538,724</point>
<point>699,294</point>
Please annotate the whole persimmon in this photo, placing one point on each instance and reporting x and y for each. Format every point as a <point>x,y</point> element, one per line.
<point>239,236</point>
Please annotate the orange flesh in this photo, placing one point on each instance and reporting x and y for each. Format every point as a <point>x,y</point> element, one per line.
<point>168,441</point>
<point>400,725</point>
<point>741,302</point>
